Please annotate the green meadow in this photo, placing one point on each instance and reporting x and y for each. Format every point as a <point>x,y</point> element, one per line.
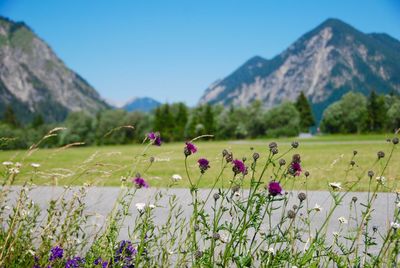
<point>327,159</point>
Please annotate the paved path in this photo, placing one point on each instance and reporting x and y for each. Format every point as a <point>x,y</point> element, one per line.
<point>100,201</point>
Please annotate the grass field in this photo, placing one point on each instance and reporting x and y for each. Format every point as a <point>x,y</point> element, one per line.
<point>325,157</point>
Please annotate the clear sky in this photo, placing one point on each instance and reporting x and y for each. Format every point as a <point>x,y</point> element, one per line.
<point>172,50</point>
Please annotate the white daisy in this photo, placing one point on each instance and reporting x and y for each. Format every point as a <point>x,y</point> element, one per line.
<point>176,177</point>
<point>317,207</point>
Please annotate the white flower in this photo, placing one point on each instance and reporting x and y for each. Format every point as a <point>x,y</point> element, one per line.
<point>176,177</point>
<point>171,252</point>
<point>381,179</point>
<point>140,206</point>
<point>18,164</point>
<point>237,194</point>
<point>271,250</point>
<point>342,220</point>
<point>335,185</point>
<point>317,207</point>
<point>35,165</point>
<point>152,206</point>
<point>14,170</point>
<point>395,225</point>
<point>7,163</point>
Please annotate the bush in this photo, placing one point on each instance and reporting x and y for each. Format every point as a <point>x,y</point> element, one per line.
<point>283,121</point>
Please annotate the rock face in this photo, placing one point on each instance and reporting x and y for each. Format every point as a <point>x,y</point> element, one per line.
<point>34,80</point>
<point>325,63</point>
<point>141,104</point>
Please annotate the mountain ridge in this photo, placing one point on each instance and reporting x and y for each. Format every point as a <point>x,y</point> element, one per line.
<point>324,63</point>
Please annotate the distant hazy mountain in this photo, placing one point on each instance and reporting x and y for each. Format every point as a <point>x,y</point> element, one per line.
<point>34,80</point>
<point>141,104</point>
<point>325,63</point>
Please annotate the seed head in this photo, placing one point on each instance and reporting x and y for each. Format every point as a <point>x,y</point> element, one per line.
<point>380,154</point>
<point>307,174</point>
<point>354,199</point>
<point>224,152</point>
<point>282,162</point>
<point>355,152</point>
<point>371,174</point>
<point>256,156</point>
<point>272,145</point>
<point>302,196</point>
<point>274,150</point>
<point>216,196</point>
<point>295,144</point>
<point>291,214</point>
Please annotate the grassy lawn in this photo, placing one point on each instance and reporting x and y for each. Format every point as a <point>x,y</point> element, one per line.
<point>325,157</point>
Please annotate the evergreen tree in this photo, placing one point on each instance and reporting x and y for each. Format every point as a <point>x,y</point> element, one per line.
<point>376,112</point>
<point>37,121</point>
<point>10,117</point>
<point>306,116</point>
<point>208,120</point>
<point>180,119</point>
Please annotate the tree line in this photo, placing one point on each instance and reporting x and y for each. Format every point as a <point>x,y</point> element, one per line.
<point>353,113</point>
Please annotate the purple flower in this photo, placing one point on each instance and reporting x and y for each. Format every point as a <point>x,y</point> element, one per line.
<point>203,164</point>
<point>295,169</point>
<point>155,138</point>
<point>140,183</point>
<point>189,149</point>
<point>125,253</point>
<point>75,262</point>
<point>239,167</point>
<point>274,188</point>
<point>56,253</point>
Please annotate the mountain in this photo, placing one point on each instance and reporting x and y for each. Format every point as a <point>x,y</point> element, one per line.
<point>141,104</point>
<point>34,80</point>
<point>325,63</point>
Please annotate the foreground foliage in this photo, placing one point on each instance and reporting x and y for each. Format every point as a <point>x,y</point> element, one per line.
<point>230,227</point>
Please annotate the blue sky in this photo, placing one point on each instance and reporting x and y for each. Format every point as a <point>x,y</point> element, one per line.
<point>172,50</point>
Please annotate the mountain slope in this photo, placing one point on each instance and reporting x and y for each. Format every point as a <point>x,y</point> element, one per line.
<point>141,104</point>
<point>34,80</point>
<point>324,63</point>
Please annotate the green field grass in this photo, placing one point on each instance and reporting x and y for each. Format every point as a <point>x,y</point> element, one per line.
<point>325,157</point>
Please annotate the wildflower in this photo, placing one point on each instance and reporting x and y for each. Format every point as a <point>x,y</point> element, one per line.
<point>282,162</point>
<point>295,207</point>
<point>229,157</point>
<point>203,164</point>
<point>216,196</point>
<point>317,207</point>
<point>395,225</point>
<point>155,138</point>
<point>272,145</point>
<point>275,150</point>
<point>140,182</point>
<point>395,140</point>
<point>35,165</point>
<point>152,159</point>
<point>198,254</point>
<point>342,220</point>
<point>295,144</point>
<point>398,204</point>
<point>236,194</point>
<point>7,163</point>
<point>235,188</point>
<point>291,214</point>
<point>256,156</point>
<point>355,152</point>
<point>381,179</point>
<point>152,206</point>
<point>189,149</point>
<point>56,253</point>
<point>239,167</point>
<point>224,152</point>
<point>295,169</point>
<point>354,199</point>
<point>176,177</point>
<point>18,164</point>
<point>352,162</point>
<point>306,174</point>
<point>75,262</point>
<point>335,185</point>
<point>371,174</point>
<point>302,196</point>
<point>271,250</point>
<point>14,170</point>
<point>375,228</point>
<point>124,253</point>
<point>296,158</point>
<point>380,154</point>
<point>274,188</point>
<point>140,206</point>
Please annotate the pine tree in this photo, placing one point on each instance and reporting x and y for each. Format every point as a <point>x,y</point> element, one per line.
<point>208,120</point>
<point>306,116</point>
<point>10,117</point>
<point>181,119</point>
<point>376,112</point>
<point>37,121</point>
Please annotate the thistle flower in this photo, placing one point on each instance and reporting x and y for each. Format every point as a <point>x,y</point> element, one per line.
<point>239,167</point>
<point>140,183</point>
<point>291,214</point>
<point>302,197</point>
<point>282,162</point>
<point>295,169</point>
<point>335,185</point>
<point>342,220</point>
<point>295,144</point>
<point>274,188</point>
<point>56,253</point>
<point>204,164</point>
<point>272,145</point>
<point>189,149</point>
<point>380,154</point>
<point>155,138</point>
